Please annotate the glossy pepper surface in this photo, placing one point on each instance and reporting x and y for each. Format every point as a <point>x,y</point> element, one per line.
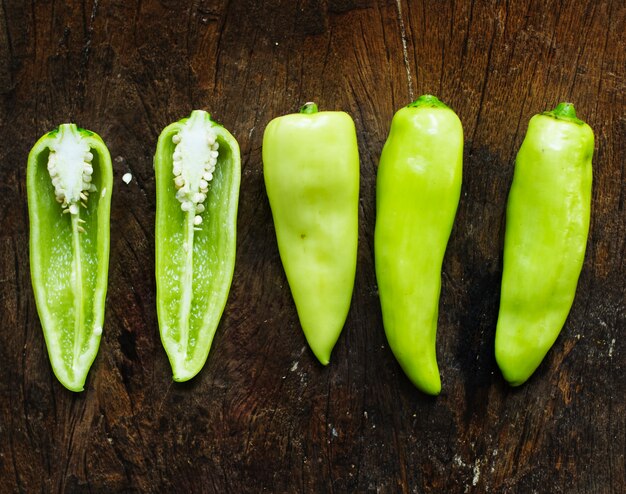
<point>547,221</point>
<point>198,171</point>
<point>69,183</point>
<point>417,193</point>
<point>311,169</point>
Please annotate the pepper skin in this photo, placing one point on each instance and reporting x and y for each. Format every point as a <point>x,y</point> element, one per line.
<point>311,169</point>
<point>547,222</point>
<point>69,183</point>
<point>198,171</point>
<point>417,193</point>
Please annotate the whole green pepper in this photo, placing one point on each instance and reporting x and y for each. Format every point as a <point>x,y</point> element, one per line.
<point>311,169</point>
<point>198,171</point>
<point>69,183</point>
<point>417,193</point>
<point>547,222</point>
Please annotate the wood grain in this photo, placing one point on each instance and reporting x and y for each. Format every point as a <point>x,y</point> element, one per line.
<point>264,416</point>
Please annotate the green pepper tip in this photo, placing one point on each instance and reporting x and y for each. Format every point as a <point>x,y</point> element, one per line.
<point>309,108</point>
<point>320,350</point>
<point>516,384</point>
<point>511,379</point>
<point>182,378</point>
<point>74,389</point>
<point>323,360</point>
<point>427,100</point>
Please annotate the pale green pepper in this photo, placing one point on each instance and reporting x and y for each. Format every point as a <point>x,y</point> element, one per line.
<point>547,222</point>
<point>198,171</point>
<point>417,193</point>
<point>311,169</point>
<point>69,182</point>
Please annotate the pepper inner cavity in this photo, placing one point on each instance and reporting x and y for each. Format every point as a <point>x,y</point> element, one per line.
<point>71,170</point>
<point>193,164</point>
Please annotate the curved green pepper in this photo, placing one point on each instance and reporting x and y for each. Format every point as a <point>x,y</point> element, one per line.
<point>198,171</point>
<point>311,170</point>
<point>417,193</point>
<point>547,222</point>
<point>69,183</point>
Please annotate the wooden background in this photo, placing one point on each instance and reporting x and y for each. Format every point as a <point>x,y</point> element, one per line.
<point>264,415</point>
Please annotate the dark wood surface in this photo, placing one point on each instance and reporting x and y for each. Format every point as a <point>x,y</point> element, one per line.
<point>263,415</point>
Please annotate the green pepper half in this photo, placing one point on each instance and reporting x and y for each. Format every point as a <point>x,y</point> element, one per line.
<point>69,184</point>
<point>198,171</point>
<point>311,170</point>
<point>547,222</point>
<point>417,193</point>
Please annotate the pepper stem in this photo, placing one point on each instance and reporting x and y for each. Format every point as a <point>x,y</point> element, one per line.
<point>427,100</point>
<point>68,128</point>
<point>199,115</point>
<point>308,108</point>
<point>564,111</point>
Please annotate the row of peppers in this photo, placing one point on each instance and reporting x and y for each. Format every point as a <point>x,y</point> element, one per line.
<point>311,171</point>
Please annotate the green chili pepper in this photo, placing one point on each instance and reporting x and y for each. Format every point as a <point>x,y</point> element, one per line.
<point>547,222</point>
<point>69,183</point>
<point>417,193</point>
<point>311,169</point>
<point>198,170</point>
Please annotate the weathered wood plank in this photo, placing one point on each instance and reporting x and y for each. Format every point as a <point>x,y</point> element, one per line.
<point>264,415</point>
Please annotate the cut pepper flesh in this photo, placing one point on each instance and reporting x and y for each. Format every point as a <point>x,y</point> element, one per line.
<point>198,170</point>
<point>69,183</point>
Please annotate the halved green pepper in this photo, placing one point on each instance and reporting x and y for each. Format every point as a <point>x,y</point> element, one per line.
<point>417,193</point>
<point>69,184</point>
<point>311,170</point>
<point>547,221</point>
<point>198,171</point>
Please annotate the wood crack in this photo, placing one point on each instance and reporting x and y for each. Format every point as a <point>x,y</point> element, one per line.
<point>405,51</point>
<point>84,60</point>
<point>484,88</point>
